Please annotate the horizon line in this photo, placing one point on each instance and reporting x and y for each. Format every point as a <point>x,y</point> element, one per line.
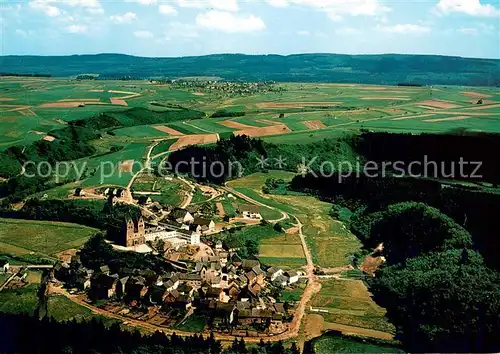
<point>243,54</point>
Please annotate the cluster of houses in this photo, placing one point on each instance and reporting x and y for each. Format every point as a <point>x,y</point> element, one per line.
<point>219,87</point>
<point>232,291</point>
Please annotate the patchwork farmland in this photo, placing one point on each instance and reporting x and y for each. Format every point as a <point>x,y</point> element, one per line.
<point>48,104</point>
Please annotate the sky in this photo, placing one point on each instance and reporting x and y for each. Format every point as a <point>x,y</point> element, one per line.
<point>170,28</point>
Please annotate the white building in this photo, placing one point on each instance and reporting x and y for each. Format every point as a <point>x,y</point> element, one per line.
<point>251,212</point>
<point>4,265</point>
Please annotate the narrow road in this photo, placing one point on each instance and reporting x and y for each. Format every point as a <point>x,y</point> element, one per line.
<point>194,126</point>
<point>7,281</point>
<point>147,166</point>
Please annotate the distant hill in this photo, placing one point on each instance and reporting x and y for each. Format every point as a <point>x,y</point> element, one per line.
<point>372,69</point>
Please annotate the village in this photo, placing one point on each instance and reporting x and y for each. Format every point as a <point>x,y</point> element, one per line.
<point>205,280</point>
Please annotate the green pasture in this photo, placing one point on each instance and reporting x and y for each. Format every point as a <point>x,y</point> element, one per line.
<point>140,131</point>
<point>211,125</point>
<point>186,128</point>
<point>43,237</point>
<point>107,169</point>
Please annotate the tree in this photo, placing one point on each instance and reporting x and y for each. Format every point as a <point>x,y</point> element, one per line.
<point>442,302</point>
<point>411,229</point>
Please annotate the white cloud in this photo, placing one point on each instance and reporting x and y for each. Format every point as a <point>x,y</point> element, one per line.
<point>143,34</point>
<point>167,10</point>
<point>49,10</point>
<point>125,18</point>
<point>303,33</point>
<point>224,5</point>
<point>230,23</point>
<point>405,29</point>
<point>76,29</point>
<point>91,6</point>
<point>278,3</point>
<point>337,9</point>
<point>469,7</point>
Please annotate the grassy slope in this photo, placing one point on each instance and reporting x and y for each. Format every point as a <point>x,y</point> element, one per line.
<point>41,236</point>
<point>21,300</point>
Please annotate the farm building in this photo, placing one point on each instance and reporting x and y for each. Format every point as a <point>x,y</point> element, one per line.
<point>202,225</point>
<point>4,265</point>
<point>79,192</point>
<point>182,216</point>
<point>251,212</point>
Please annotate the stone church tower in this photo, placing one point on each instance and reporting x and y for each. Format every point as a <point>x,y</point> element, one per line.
<point>134,232</point>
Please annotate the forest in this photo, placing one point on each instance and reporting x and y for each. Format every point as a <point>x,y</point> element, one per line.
<point>439,291</point>
<point>389,69</point>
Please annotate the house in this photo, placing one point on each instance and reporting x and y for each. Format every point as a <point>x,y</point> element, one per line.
<point>202,225</point>
<point>182,216</point>
<point>79,192</point>
<point>193,209</point>
<point>103,286</point>
<point>144,200</point>
<point>104,269</point>
<point>281,280</point>
<point>61,271</point>
<point>279,308</point>
<point>82,283</point>
<point>119,192</point>
<point>4,265</point>
<point>272,273</point>
<point>157,294</point>
<point>233,290</point>
<point>155,207</point>
<point>248,264</point>
<point>136,287</point>
<point>251,211</point>
<point>293,277</point>
<point>120,286</point>
<point>172,283</point>
<point>171,297</point>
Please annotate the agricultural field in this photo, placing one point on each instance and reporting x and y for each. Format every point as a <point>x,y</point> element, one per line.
<point>22,237</point>
<point>330,242</point>
<point>348,302</point>
<point>294,113</point>
<point>31,107</point>
<point>283,251</point>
